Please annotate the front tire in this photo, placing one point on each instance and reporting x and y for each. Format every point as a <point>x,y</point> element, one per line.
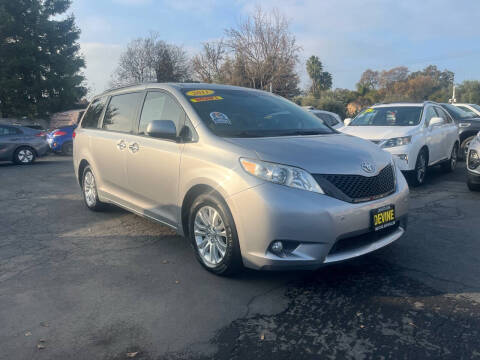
<point>213,235</point>
<point>419,174</point>
<point>24,155</point>
<point>464,147</point>
<point>89,190</point>
<point>451,164</point>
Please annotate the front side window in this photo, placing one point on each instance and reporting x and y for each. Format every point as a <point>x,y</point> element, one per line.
<point>92,116</point>
<point>389,116</point>
<point>466,109</point>
<point>429,114</point>
<point>443,114</point>
<point>160,106</point>
<point>121,112</point>
<point>249,113</point>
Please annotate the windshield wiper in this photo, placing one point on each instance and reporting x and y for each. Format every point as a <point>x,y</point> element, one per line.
<point>304,132</point>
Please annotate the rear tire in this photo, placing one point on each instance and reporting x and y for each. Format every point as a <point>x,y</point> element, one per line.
<point>24,155</point>
<point>213,235</point>
<point>67,148</point>
<point>451,164</point>
<point>89,190</point>
<point>419,174</point>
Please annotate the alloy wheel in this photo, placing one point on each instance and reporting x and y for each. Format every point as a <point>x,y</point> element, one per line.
<point>210,235</point>
<point>421,168</point>
<point>453,158</point>
<point>25,156</point>
<point>90,189</point>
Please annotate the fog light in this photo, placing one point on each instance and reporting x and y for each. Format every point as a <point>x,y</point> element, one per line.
<point>473,160</point>
<point>277,247</point>
<point>403,157</point>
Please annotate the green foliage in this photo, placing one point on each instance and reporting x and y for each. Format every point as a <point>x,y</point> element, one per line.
<point>39,58</point>
<point>469,92</point>
<point>321,80</point>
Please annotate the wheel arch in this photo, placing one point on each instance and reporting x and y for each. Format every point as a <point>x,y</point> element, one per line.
<point>81,167</point>
<point>466,134</point>
<point>188,200</point>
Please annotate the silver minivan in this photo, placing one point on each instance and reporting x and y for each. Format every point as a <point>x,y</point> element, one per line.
<point>251,179</point>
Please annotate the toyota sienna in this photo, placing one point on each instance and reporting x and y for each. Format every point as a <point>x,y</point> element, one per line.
<point>250,178</point>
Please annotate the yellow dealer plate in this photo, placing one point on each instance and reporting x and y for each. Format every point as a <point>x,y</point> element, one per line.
<point>200,92</point>
<point>383,217</point>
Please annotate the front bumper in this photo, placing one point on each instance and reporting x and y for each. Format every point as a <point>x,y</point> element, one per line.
<point>403,156</point>
<point>311,221</point>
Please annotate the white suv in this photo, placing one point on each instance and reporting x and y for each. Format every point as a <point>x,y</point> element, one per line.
<point>418,135</point>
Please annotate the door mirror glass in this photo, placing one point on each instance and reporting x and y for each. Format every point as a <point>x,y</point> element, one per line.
<point>163,129</point>
<point>347,121</point>
<point>435,121</point>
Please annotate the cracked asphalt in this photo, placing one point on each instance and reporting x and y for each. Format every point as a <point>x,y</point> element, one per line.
<point>86,285</point>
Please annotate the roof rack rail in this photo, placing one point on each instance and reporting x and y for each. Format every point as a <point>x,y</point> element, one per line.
<point>123,87</point>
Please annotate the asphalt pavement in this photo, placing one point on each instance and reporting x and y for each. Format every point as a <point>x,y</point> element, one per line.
<point>81,285</point>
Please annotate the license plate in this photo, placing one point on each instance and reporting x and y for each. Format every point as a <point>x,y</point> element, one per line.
<point>383,217</point>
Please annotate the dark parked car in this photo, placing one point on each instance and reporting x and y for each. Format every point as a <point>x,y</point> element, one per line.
<point>468,126</point>
<point>21,145</point>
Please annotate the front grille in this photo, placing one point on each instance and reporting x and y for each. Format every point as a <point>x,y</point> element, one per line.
<point>358,188</point>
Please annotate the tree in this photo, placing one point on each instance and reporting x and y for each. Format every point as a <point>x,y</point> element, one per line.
<point>39,58</point>
<point>208,64</point>
<point>151,59</point>
<point>368,81</point>
<point>469,92</point>
<point>321,80</point>
<point>264,53</point>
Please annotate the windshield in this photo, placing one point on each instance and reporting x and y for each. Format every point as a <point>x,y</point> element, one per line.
<point>389,116</point>
<point>244,113</point>
<point>456,112</point>
<point>475,106</point>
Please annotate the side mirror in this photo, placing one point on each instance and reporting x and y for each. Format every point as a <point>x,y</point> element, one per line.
<point>435,121</point>
<point>347,121</point>
<point>163,129</point>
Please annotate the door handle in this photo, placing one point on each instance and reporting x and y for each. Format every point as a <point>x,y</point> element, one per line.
<point>134,147</point>
<point>121,145</point>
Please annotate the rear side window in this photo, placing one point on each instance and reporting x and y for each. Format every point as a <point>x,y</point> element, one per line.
<point>91,118</point>
<point>6,130</point>
<point>121,112</point>
<point>160,106</point>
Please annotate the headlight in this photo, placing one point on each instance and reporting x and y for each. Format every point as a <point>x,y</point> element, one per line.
<point>473,160</point>
<point>399,141</point>
<point>464,124</point>
<point>281,174</point>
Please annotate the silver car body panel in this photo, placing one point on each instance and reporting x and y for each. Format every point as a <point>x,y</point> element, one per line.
<point>155,180</point>
<point>10,143</point>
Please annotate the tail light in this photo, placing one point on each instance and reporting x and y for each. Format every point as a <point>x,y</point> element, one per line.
<point>59,133</point>
<point>73,134</point>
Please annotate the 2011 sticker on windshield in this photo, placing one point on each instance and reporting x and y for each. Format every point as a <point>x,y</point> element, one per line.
<point>201,92</point>
<point>220,118</point>
<point>206,98</point>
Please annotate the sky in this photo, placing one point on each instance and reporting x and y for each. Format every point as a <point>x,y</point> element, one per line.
<point>349,36</point>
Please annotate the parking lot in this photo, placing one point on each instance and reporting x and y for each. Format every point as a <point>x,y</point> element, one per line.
<point>84,285</point>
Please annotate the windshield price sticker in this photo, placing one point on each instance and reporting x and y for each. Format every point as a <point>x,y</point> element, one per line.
<point>220,118</point>
<point>369,110</point>
<point>200,92</point>
<point>206,98</point>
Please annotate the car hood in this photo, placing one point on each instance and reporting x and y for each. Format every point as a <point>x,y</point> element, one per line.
<point>318,154</point>
<point>379,132</point>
